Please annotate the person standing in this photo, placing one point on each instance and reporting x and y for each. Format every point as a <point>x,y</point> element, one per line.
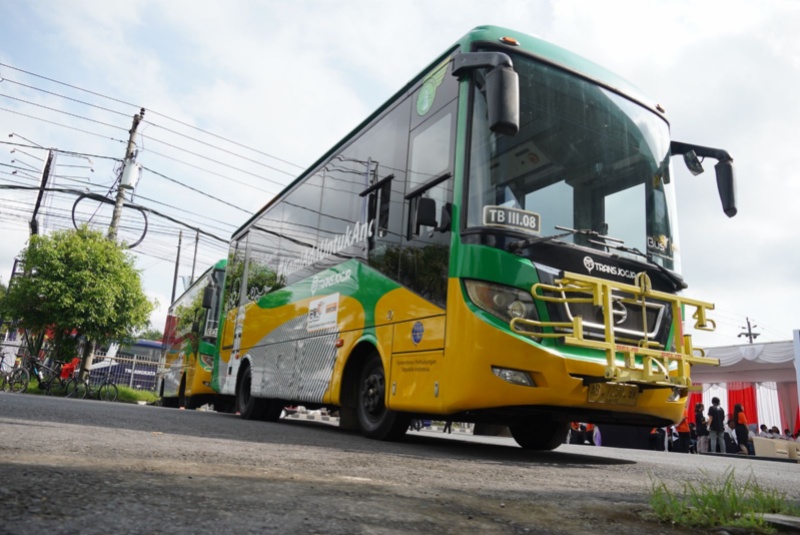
<point>684,433</point>
<point>740,428</point>
<point>701,425</point>
<point>716,426</point>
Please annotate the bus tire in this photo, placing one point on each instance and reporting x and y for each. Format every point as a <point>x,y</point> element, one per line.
<point>182,401</point>
<point>375,420</point>
<point>169,402</point>
<point>250,407</point>
<point>543,435</point>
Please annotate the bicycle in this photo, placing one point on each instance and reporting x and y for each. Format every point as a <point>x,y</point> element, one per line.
<point>49,378</point>
<point>14,380</point>
<point>81,388</point>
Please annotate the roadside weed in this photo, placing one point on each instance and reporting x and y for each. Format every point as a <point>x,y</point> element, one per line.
<point>718,502</point>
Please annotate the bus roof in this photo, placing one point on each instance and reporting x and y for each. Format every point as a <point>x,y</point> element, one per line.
<point>148,343</point>
<point>219,265</point>
<point>559,57</point>
<point>539,48</point>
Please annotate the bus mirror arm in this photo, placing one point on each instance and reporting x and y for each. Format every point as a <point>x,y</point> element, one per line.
<point>726,184</point>
<point>502,87</point>
<point>447,218</point>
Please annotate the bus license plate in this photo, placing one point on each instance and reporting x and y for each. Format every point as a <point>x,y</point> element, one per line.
<point>612,393</point>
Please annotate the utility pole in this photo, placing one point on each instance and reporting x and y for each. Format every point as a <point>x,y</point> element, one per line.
<point>177,263</point>
<point>194,260</point>
<point>749,334</point>
<point>129,156</point>
<point>48,165</point>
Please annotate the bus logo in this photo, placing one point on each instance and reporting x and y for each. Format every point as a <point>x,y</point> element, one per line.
<point>416,332</point>
<point>323,313</point>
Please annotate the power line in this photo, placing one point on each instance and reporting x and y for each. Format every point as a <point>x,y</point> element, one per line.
<point>105,199</point>
<point>56,110</point>
<point>61,125</point>
<point>151,111</point>
<point>196,190</point>
<point>150,151</point>
<point>61,151</point>
<point>198,155</point>
<point>64,97</point>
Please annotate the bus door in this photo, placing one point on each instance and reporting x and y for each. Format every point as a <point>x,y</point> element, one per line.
<point>418,346</point>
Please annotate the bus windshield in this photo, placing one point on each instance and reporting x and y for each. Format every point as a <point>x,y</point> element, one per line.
<point>585,158</point>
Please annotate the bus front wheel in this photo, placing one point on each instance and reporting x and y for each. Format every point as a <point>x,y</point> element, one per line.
<point>375,419</point>
<point>539,434</point>
<point>250,408</point>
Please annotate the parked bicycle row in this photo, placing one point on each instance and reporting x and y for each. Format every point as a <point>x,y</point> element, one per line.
<point>56,379</point>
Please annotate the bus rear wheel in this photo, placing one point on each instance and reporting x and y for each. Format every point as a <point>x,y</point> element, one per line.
<point>534,434</point>
<point>375,419</point>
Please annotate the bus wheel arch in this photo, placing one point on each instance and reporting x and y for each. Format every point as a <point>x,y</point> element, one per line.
<point>348,391</point>
<point>374,418</point>
<point>251,407</point>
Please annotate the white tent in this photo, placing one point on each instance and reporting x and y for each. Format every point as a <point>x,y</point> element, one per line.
<point>770,368</point>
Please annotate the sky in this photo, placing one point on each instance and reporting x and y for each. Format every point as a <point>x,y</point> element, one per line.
<point>240,96</point>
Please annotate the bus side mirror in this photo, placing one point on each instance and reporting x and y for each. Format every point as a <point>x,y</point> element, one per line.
<point>724,168</point>
<point>726,187</point>
<point>502,87</point>
<point>426,213</point>
<point>502,96</point>
<point>208,297</point>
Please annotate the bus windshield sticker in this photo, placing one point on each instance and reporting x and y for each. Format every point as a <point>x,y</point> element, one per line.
<point>501,216</point>
<point>323,313</point>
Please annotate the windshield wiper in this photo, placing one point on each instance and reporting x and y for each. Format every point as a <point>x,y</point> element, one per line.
<point>676,280</point>
<point>521,244</point>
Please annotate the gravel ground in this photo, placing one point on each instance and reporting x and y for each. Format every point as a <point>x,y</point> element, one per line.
<point>87,467</point>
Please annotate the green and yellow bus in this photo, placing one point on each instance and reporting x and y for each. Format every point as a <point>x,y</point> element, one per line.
<point>496,244</point>
<point>190,344</point>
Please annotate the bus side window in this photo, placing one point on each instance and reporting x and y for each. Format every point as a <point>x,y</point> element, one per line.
<point>429,195</point>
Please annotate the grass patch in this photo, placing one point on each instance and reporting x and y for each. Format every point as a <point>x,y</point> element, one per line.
<point>134,395</point>
<point>719,502</point>
<point>126,395</point>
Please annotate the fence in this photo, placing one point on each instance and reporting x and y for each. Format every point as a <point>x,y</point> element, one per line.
<point>134,366</point>
<point>133,371</point>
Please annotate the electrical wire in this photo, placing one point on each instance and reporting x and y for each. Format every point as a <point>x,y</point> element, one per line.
<point>63,112</point>
<point>100,198</point>
<point>195,190</point>
<point>62,125</point>
<point>113,99</point>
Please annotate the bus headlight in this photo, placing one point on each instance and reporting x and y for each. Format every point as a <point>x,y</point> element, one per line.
<point>504,302</point>
<point>677,393</point>
<point>515,377</point>
<point>206,361</point>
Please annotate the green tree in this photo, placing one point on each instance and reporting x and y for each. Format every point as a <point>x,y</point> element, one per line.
<point>78,283</point>
<point>150,333</point>
<point>4,324</point>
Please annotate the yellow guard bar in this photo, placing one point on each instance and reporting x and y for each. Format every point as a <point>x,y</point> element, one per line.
<point>654,361</point>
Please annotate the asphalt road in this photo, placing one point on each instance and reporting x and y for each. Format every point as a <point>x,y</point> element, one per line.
<point>75,466</point>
